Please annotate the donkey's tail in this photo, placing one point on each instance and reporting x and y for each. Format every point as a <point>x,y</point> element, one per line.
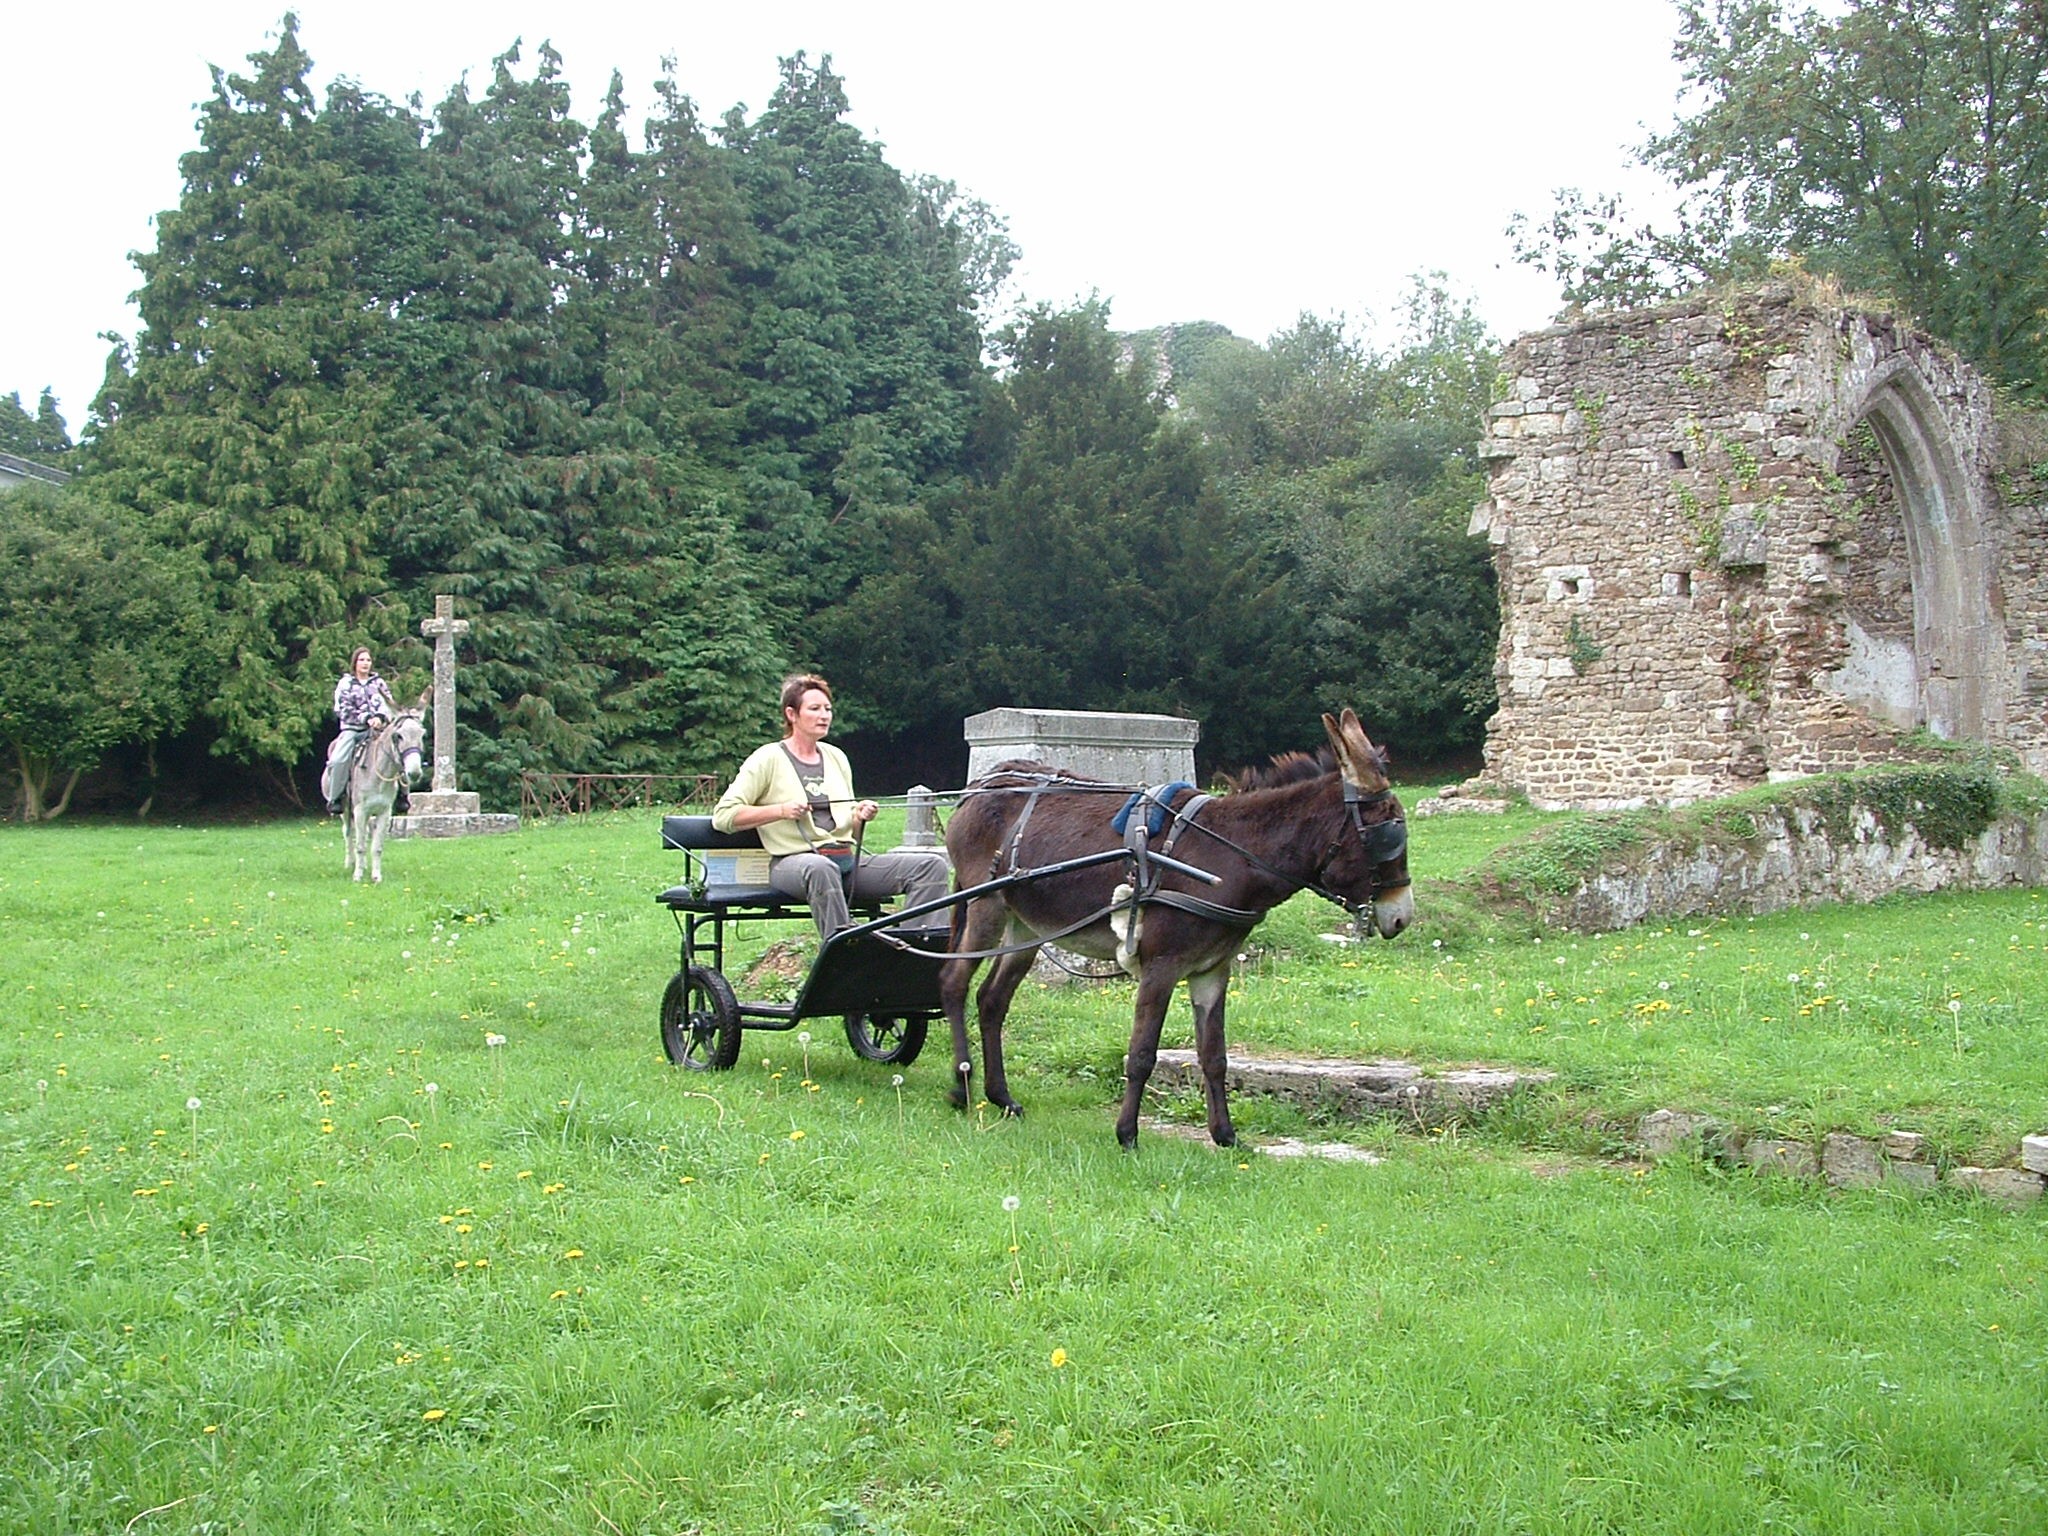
<point>957,926</point>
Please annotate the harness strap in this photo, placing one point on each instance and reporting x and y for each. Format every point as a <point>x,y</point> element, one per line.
<point>1198,906</point>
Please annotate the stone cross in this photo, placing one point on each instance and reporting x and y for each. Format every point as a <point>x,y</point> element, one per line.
<point>445,629</point>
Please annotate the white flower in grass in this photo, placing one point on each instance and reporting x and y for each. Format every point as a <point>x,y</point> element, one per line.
<point>896,1081</point>
<point>1011,1202</point>
<point>193,1105</point>
<point>494,1041</point>
<point>432,1089</point>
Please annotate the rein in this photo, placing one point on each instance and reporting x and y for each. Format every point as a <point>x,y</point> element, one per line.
<point>374,745</point>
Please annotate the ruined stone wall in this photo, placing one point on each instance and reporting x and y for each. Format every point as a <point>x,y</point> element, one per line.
<point>1750,537</point>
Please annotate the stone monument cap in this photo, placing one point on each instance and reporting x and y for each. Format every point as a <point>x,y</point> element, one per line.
<point>1103,744</point>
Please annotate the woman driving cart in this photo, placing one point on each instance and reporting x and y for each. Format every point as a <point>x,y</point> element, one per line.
<point>798,793</point>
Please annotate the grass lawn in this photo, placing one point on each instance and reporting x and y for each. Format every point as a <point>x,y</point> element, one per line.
<point>573,1289</point>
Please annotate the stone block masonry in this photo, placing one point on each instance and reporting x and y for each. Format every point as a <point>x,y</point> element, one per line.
<point>1751,536</point>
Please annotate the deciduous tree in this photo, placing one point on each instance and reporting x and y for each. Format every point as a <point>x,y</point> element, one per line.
<point>108,637</point>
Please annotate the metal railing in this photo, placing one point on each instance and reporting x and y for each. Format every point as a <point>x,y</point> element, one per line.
<point>578,794</point>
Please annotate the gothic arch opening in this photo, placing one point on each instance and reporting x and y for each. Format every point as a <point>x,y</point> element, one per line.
<point>1923,636</point>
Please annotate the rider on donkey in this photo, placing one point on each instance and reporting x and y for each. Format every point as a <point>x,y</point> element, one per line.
<point>361,701</point>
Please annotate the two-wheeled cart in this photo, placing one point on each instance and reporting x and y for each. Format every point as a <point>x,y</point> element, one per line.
<point>880,977</point>
<point>885,990</point>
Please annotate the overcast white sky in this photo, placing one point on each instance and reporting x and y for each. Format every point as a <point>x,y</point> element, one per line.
<point>1240,164</point>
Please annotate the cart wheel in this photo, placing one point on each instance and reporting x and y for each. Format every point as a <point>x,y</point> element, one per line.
<point>893,1039</point>
<point>700,1020</point>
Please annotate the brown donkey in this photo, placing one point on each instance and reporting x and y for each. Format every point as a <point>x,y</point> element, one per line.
<point>1339,832</point>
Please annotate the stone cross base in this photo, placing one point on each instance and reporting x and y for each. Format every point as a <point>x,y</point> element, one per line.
<point>446,802</point>
<point>432,823</point>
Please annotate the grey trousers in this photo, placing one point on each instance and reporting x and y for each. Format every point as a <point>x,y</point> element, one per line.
<point>341,757</point>
<point>917,874</point>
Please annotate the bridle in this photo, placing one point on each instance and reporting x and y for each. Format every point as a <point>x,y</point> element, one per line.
<point>1381,841</point>
<point>377,738</point>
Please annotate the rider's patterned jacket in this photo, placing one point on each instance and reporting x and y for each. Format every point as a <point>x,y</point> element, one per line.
<point>356,699</point>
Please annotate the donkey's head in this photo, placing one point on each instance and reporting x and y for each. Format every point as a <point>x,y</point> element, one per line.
<point>1368,866</point>
<point>409,737</point>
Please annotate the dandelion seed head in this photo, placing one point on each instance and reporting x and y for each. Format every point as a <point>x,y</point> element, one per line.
<point>1011,1202</point>
<point>193,1105</point>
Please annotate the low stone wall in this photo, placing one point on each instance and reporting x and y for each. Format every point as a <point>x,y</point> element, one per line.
<point>1795,859</point>
<point>1897,1159</point>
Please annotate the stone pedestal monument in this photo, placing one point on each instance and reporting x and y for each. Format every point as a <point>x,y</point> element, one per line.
<point>1122,748</point>
<point>444,810</point>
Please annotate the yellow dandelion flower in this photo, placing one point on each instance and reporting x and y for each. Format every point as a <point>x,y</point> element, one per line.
<point>1059,1359</point>
<point>524,1173</point>
<point>483,1167</point>
<point>796,1135</point>
<point>434,1415</point>
<point>557,1295</point>
<point>463,1226</point>
<point>211,1429</point>
<point>573,1253</point>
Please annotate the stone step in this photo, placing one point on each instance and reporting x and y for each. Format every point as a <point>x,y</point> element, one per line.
<point>1359,1089</point>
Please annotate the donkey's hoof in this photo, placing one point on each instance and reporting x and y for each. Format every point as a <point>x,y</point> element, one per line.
<point>1011,1109</point>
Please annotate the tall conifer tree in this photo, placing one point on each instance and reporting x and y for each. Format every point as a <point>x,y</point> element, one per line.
<point>247,427</point>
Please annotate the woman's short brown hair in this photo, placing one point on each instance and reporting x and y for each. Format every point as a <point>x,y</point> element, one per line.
<point>797,684</point>
<point>361,650</point>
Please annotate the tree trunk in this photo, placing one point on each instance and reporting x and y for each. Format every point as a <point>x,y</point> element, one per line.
<point>35,787</point>
<point>35,779</point>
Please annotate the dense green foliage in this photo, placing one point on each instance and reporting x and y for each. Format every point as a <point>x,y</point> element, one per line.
<point>41,437</point>
<point>670,407</point>
<point>106,636</point>
<point>1901,145</point>
<point>573,1289</point>
<point>1349,474</point>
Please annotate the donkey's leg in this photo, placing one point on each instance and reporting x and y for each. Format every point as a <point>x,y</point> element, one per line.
<point>378,824</point>
<point>1155,991</point>
<point>359,833</point>
<point>975,928</point>
<point>1206,991</point>
<point>992,1007</point>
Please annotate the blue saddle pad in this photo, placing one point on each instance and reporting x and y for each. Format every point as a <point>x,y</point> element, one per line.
<point>1158,806</point>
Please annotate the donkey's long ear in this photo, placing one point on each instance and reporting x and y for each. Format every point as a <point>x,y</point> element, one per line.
<point>1356,755</point>
<point>426,697</point>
